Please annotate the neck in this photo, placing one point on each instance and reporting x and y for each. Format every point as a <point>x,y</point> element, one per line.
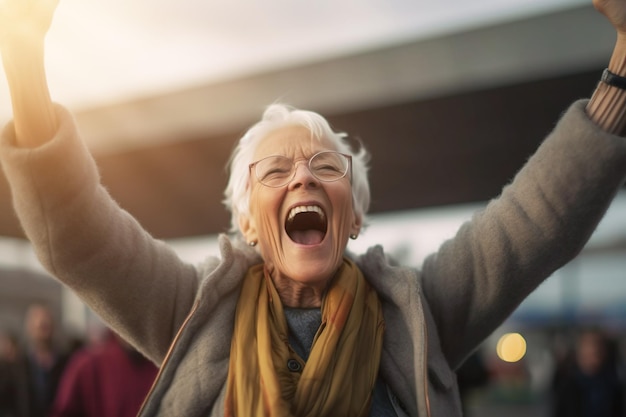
<point>43,355</point>
<point>41,346</point>
<point>297,294</point>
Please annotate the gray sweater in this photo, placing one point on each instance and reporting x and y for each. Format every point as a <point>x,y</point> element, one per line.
<point>181,315</point>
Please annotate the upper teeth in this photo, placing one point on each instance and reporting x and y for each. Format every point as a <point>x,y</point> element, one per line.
<point>304,209</point>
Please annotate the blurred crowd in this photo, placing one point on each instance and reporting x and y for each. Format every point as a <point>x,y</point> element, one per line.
<point>102,376</point>
<point>99,376</point>
<point>585,376</point>
<point>589,380</point>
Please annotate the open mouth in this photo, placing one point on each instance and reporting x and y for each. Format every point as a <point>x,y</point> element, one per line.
<point>306,225</point>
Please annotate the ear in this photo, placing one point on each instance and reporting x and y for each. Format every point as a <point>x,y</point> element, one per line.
<point>247,227</point>
<point>357,223</point>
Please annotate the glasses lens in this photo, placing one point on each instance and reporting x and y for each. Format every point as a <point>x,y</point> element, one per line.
<point>329,166</point>
<point>274,171</point>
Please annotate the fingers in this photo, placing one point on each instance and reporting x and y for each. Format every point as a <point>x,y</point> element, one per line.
<point>25,19</point>
<point>25,8</point>
<point>615,12</point>
<point>52,4</point>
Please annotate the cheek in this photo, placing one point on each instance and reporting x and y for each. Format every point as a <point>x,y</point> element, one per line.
<point>343,208</point>
<point>264,206</point>
<point>346,220</point>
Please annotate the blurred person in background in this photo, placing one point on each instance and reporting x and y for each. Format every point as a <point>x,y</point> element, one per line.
<point>37,370</point>
<point>106,378</point>
<point>9,346</point>
<point>9,355</point>
<point>590,384</point>
<point>284,321</point>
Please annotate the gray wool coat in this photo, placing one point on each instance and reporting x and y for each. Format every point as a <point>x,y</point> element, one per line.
<point>181,315</point>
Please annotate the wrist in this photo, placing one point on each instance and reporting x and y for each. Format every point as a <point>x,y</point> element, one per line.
<point>19,48</point>
<point>612,79</point>
<point>19,58</point>
<point>607,106</point>
<point>617,63</point>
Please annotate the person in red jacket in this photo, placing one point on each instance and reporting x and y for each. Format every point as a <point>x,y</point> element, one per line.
<point>107,379</point>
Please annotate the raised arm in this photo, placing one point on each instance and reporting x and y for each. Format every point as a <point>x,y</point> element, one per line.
<point>607,106</point>
<point>137,284</point>
<point>542,219</point>
<point>23,27</point>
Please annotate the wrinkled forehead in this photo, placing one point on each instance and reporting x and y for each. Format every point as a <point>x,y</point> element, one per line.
<point>293,141</point>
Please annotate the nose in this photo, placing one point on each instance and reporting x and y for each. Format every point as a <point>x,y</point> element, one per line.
<point>303,176</point>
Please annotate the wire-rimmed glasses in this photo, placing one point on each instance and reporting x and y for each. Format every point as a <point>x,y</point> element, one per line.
<point>277,170</point>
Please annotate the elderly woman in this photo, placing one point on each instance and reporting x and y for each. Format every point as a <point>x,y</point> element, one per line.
<point>284,322</point>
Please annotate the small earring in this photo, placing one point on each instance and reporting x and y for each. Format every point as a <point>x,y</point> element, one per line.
<point>353,236</point>
<point>252,243</point>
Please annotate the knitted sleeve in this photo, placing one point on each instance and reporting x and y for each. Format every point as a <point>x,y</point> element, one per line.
<point>542,219</point>
<point>83,238</point>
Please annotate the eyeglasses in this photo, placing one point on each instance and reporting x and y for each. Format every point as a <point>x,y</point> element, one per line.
<point>277,170</point>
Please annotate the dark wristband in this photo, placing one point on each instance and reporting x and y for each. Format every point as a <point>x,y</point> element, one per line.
<point>613,80</point>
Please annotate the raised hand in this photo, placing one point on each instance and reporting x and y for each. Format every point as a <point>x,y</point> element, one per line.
<point>615,11</point>
<point>25,20</point>
<point>23,27</point>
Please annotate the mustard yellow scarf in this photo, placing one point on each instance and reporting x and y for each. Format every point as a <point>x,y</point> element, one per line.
<point>339,376</point>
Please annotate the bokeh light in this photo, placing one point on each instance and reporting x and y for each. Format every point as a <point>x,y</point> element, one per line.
<point>511,347</point>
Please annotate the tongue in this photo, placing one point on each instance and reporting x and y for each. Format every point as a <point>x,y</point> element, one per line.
<point>307,237</point>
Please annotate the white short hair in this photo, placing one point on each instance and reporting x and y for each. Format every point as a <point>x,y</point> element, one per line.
<point>237,193</point>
